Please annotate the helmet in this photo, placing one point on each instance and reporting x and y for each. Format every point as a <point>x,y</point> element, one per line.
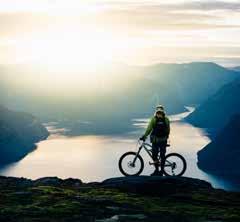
<point>159,108</point>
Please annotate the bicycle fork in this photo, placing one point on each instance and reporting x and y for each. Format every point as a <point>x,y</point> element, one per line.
<point>135,158</point>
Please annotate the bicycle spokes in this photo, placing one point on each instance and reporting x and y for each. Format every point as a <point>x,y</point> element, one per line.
<point>174,166</point>
<point>131,164</point>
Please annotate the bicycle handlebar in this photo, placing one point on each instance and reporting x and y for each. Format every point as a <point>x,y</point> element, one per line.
<point>143,141</point>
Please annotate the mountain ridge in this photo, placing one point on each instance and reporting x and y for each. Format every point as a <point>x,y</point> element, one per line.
<point>135,93</point>
<point>216,111</point>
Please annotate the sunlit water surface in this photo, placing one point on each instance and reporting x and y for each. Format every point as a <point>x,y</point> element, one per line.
<point>95,158</point>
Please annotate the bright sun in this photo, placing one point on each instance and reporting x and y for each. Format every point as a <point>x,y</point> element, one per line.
<point>72,60</point>
<point>81,50</point>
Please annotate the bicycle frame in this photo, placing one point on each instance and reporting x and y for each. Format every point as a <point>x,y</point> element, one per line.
<point>148,148</point>
<point>145,147</point>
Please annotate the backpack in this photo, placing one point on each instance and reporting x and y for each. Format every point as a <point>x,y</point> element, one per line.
<point>160,129</point>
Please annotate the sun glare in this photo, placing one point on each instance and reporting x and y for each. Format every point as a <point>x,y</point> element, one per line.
<point>71,59</point>
<point>76,49</point>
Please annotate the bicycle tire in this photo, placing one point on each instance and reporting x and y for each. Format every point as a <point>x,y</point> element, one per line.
<point>121,167</point>
<point>183,162</point>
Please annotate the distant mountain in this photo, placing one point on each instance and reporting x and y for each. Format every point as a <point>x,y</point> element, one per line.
<point>236,68</point>
<point>18,133</point>
<point>222,155</point>
<point>117,93</point>
<point>216,111</point>
<point>192,82</point>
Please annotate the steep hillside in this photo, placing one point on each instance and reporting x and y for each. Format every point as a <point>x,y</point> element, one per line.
<point>222,155</point>
<point>217,110</point>
<point>18,133</point>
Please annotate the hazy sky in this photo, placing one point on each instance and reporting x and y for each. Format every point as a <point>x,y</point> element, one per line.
<point>134,31</point>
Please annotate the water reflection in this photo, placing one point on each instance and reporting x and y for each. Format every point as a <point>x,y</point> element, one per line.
<point>94,158</point>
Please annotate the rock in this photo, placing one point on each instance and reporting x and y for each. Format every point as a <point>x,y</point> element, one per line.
<point>125,218</point>
<point>112,208</point>
<point>112,219</point>
<point>12,182</point>
<point>23,193</point>
<point>93,184</point>
<point>94,200</point>
<point>48,181</point>
<point>155,185</point>
<point>137,217</point>
<point>55,181</point>
<point>72,182</point>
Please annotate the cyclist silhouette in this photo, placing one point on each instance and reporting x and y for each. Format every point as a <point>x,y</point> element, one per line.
<point>159,128</point>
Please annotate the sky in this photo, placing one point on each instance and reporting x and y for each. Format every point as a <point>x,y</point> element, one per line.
<point>137,32</point>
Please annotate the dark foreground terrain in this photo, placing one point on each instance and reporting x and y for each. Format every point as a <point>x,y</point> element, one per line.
<point>118,199</point>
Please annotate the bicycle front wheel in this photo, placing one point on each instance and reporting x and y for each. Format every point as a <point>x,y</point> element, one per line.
<point>175,165</point>
<point>131,164</point>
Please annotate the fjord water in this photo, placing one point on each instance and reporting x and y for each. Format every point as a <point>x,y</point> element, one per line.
<point>95,158</point>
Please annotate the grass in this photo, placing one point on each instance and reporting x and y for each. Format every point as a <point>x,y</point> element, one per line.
<point>47,202</point>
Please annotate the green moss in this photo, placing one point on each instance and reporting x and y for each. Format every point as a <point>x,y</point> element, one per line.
<point>91,202</point>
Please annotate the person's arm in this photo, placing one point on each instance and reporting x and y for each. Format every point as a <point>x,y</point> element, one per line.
<point>168,126</point>
<point>149,128</point>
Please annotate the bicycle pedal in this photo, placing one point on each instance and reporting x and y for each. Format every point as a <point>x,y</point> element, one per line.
<point>152,163</point>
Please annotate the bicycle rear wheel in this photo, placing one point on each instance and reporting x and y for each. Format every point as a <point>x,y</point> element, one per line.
<point>175,165</point>
<point>128,167</point>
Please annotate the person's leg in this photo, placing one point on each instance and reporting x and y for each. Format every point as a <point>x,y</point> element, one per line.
<point>163,146</point>
<point>155,150</point>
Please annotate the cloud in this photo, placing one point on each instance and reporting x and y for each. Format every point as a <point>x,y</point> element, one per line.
<point>210,5</point>
<point>159,15</point>
<point>130,19</point>
<point>206,5</point>
<point>134,16</point>
<point>146,23</point>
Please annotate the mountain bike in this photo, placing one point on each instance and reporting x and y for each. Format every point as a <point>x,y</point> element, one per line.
<point>132,164</point>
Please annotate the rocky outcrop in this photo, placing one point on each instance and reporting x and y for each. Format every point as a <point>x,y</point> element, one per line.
<point>124,199</point>
<point>222,155</point>
<point>18,134</point>
<point>155,185</point>
<point>55,181</point>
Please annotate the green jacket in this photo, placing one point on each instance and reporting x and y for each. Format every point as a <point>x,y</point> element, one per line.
<point>151,125</point>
